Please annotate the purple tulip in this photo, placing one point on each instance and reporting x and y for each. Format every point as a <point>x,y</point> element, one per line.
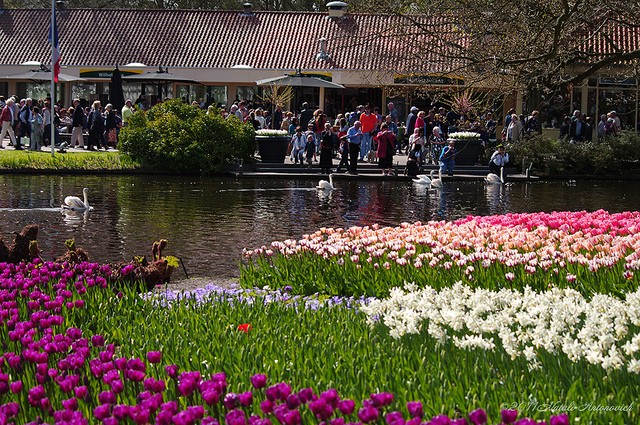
<point>331,397</point>
<point>70,404</point>
<point>395,418</point>
<point>117,386</point>
<point>337,421</point>
<point>381,399</point>
<point>280,412</point>
<point>561,419</point>
<point>135,375</point>
<point>508,416</point>
<point>305,395</point>
<point>259,381</point>
<point>292,418</point>
<point>102,411</point>
<point>478,417</point>
<point>107,397</point>
<point>139,415</point>
<point>245,399</point>
<point>171,370</point>
<point>346,407</point>
<point>235,417</point>
<point>211,397</point>
<point>440,420</point>
<point>231,401</point>
<point>415,409</point>
<point>368,414</point>
<point>460,421</point>
<point>154,356</point>
<point>121,411</point>
<point>267,406</point>
<point>16,387</point>
<point>81,392</point>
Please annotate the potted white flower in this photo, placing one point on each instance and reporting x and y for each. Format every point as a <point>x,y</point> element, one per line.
<point>468,147</point>
<point>272,145</point>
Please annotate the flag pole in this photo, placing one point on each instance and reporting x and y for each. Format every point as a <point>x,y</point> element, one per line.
<point>53,30</point>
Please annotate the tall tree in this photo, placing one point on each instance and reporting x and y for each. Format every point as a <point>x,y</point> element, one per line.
<point>528,45</point>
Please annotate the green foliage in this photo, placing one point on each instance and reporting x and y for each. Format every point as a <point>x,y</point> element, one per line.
<point>335,348</point>
<point>613,156</point>
<point>178,137</point>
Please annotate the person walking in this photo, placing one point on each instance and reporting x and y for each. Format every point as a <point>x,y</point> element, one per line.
<point>77,124</point>
<point>96,126</point>
<point>25,117</point>
<point>37,130</point>
<point>355,136</point>
<point>7,121</point>
<point>110,127</point>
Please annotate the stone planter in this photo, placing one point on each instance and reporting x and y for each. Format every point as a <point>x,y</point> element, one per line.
<point>468,151</point>
<point>273,149</point>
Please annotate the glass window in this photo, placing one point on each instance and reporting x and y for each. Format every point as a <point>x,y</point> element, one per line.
<point>249,93</point>
<point>37,91</point>
<point>623,101</point>
<point>209,95</point>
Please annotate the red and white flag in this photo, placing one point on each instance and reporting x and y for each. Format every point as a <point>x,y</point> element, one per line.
<point>53,39</point>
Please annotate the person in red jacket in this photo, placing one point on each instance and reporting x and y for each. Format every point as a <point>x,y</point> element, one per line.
<point>7,120</point>
<point>369,122</point>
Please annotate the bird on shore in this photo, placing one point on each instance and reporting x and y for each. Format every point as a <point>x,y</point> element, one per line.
<point>74,203</point>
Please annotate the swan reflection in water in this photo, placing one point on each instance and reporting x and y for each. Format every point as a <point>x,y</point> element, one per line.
<point>497,198</point>
<point>75,217</point>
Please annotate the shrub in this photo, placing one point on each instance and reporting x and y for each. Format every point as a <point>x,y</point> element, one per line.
<point>178,137</point>
<point>612,156</point>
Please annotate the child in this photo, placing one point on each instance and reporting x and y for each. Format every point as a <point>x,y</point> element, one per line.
<point>37,130</point>
<point>344,153</point>
<point>310,149</point>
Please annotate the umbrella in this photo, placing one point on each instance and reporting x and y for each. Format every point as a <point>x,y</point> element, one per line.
<point>116,96</point>
<point>42,75</point>
<point>299,80</point>
<point>159,77</point>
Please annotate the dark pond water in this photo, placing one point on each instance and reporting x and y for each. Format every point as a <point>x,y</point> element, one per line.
<point>209,220</point>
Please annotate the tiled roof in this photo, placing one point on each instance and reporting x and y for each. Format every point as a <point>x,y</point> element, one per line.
<point>204,39</point>
<point>222,39</point>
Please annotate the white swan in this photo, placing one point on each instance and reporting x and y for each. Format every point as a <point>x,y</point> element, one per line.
<point>326,185</point>
<point>422,179</point>
<point>436,183</point>
<point>493,178</point>
<point>76,204</point>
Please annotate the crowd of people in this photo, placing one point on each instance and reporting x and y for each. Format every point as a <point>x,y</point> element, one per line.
<point>28,122</point>
<point>366,134</point>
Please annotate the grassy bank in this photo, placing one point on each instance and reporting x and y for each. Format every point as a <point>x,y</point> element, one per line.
<point>81,161</point>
